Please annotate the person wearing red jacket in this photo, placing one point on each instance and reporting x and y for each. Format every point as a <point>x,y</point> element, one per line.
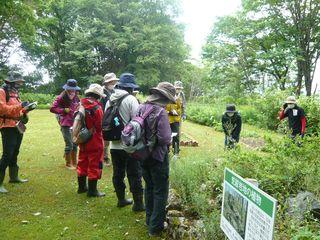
<point>13,114</point>
<point>296,117</point>
<point>91,154</point>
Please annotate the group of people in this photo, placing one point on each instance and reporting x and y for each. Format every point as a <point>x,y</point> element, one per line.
<point>119,95</point>
<point>232,122</point>
<point>162,113</point>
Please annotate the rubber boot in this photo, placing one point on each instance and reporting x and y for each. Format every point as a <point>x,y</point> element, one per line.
<point>2,189</point>
<point>82,184</point>
<point>14,175</point>
<point>122,202</point>
<point>67,157</point>
<point>138,205</point>
<point>74,161</point>
<point>92,190</point>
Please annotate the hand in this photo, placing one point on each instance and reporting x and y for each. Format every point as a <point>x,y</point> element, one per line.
<point>184,117</point>
<point>24,104</point>
<point>174,113</point>
<point>232,140</point>
<point>302,135</point>
<point>66,110</point>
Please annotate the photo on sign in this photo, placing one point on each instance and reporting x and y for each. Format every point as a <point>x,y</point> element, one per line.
<point>235,209</point>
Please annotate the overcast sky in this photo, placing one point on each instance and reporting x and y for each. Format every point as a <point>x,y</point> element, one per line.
<point>199,16</point>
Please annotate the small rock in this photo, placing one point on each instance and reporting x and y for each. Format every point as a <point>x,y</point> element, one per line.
<point>95,225</point>
<point>174,213</point>
<point>24,222</point>
<point>37,214</point>
<point>126,234</point>
<point>66,229</point>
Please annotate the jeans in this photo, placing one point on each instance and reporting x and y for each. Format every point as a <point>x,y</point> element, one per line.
<point>175,128</point>
<point>156,177</point>
<point>122,164</point>
<point>67,136</point>
<point>11,142</point>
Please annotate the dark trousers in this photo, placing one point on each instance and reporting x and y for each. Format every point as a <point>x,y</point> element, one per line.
<point>122,164</point>
<point>11,142</point>
<point>175,128</point>
<point>156,177</point>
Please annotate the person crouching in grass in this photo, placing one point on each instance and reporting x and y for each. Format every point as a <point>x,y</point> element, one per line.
<point>231,124</point>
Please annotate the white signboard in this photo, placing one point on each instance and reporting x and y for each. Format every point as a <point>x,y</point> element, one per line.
<point>248,213</point>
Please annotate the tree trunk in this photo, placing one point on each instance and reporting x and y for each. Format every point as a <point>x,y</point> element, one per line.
<point>299,77</point>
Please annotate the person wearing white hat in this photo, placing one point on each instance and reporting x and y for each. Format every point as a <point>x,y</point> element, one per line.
<point>296,117</point>
<point>91,153</point>
<point>109,82</point>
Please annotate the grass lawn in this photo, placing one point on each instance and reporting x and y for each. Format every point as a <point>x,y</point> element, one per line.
<point>51,191</point>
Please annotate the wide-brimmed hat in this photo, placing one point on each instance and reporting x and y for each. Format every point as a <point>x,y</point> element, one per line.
<point>14,77</point>
<point>96,89</point>
<point>291,99</point>
<point>127,80</point>
<point>110,77</point>
<point>178,85</point>
<point>71,85</point>
<point>231,108</point>
<point>165,89</point>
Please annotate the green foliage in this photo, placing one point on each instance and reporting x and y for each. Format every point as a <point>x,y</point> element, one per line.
<point>260,111</point>
<point>44,100</point>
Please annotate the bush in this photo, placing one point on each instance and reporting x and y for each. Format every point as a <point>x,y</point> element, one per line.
<point>44,100</point>
<point>260,111</point>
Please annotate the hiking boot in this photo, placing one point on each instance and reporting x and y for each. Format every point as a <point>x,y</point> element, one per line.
<point>13,174</point>
<point>92,190</point>
<point>82,184</point>
<point>122,202</point>
<point>67,157</point>
<point>138,205</point>
<point>74,160</point>
<point>2,189</point>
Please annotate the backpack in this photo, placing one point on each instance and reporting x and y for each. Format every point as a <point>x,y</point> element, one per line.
<point>133,136</point>
<point>112,122</point>
<point>80,133</point>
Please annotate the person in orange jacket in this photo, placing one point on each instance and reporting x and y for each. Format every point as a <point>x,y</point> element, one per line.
<point>91,154</point>
<point>13,116</point>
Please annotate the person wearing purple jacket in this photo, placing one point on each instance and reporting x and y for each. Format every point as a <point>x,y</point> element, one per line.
<point>64,107</point>
<point>155,169</point>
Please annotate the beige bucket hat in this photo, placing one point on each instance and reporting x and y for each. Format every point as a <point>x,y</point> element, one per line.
<point>96,89</point>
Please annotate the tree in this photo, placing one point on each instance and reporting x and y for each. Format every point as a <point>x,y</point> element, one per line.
<point>16,25</point>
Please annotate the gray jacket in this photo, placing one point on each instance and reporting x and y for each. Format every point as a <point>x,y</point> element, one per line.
<point>127,110</point>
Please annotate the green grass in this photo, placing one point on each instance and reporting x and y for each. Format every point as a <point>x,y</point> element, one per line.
<point>51,190</point>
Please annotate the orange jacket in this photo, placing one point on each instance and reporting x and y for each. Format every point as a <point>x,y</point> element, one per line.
<point>10,111</point>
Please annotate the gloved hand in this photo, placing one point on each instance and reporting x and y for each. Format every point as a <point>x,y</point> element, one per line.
<point>24,104</point>
<point>184,117</point>
<point>67,110</point>
<point>302,135</point>
<point>232,140</point>
<point>24,118</point>
<point>174,113</point>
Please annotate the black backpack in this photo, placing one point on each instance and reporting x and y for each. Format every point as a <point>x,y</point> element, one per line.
<point>112,122</point>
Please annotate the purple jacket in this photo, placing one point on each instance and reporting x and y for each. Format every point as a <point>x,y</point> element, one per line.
<point>158,130</point>
<point>58,106</point>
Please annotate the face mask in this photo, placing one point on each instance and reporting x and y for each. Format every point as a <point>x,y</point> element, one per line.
<point>110,86</point>
<point>291,105</point>
<point>230,114</point>
<point>71,94</point>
